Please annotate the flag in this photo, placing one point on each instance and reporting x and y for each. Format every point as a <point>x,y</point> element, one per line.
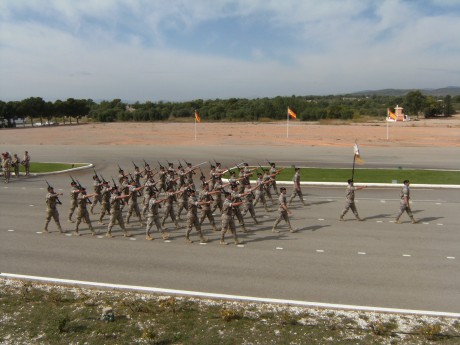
<point>357,156</point>
<point>391,116</point>
<point>197,116</point>
<point>291,113</point>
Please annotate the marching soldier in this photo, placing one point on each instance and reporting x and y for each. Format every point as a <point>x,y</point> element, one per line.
<point>192,216</point>
<point>169,206</point>
<point>132,202</point>
<point>227,218</point>
<point>153,217</point>
<point>52,200</point>
<point>162,175</point>
<point>189,173</point>
<point>284,211</point>
<point>260,192</point>
<point>236,198</point>
<point>297,190</point>
<point>249,205</point>
<point>350,200</point>
<point>206,197</point>
<point>82,212</point>
<point>97,188</point>
<point>74,191</point>
<point>273,172</point>
<point>105,200</point>
<point>149,188</point>
<point>219,186</point>
<point>183,199</point>
<point>405,203</point>
<point>115,212</point>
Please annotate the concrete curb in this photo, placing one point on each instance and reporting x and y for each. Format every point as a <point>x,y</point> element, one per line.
<point>87,166</point>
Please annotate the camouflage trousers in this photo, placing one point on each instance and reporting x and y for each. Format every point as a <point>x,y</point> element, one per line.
<point>52,213</point>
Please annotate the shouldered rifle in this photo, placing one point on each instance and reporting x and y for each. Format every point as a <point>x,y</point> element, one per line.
<point>95,173</point>
<point>180,165</point>
<point>81,187</point>
<point>263,170</point>
<point>135,166</point>
<point>269,163</point>
<point>145,163</point>
<point>57,198</point>
<point>202,175</point>
<point>73,180</point>
<point>119,168</point>
<point>161,166</point>
<point>103,179</point>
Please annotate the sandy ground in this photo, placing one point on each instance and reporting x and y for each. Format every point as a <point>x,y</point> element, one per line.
<point>423,133</point>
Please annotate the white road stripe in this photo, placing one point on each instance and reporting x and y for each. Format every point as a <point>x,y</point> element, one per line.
<point>439,224</point>
<point>279,248</point>
<point>407,255</point>
<point>10,230</point>
<point>320,218</point>
<point>361,253</point>
<point>319,250</point>
<point>379,221</point>
<point>232,297</point>
<point>451,257</point>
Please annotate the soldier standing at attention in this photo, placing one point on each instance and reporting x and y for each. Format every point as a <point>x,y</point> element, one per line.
<point>350,200</point>
<point>26,163</point>
<point>6,165</point>
<point>227,218</point>
<point>192,216</point>
<point>153,217</point>
<point>405,203</point>
<point>105,201</point>
<point>115,212</point>
<point>206,198</point>
<point>74,191</point>
<point>97,188</point>
<point>52,199</point>
<point>297,190</point>
<point>283,210</point>
<point>15,162</point>
<point>82,212</point>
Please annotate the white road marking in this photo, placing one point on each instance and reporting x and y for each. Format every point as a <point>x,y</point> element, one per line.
<point>407,255</point>
<point>167,241</point>
<point>451,257</point>
<point>383,201</point>
<point>379,221</point>
<point>361,253</point>
<point>203,243</point>
<point>39,232</point>
<point>438,203</point>
<point>100,236</point>
<point>70,235</point>
<point>439,224</point>
<point>232,297</point>
<point>279,248</point>
<point>425,223</point>
<point>41,188</point>
<point>320,218</point>
<point>240,245</point>
<point>319,250</point>
<point>10,230</point>
<point>31,205</point>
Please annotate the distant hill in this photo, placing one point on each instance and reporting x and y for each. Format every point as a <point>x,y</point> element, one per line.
<point>450,90</point>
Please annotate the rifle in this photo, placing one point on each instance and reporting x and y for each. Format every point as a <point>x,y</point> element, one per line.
<point>202,175</point>
<point>135,166</point>
<point>263,170</point>
<point>57,198</point>
<point>119,168</point>
<point>160,165</point>
<point>145,163</point>
<point>73,180</point>
<point>95,173</point>
<point>269,163</point>
<point>80,187</point>
<point>180,165</point>
<point>103,179</point>
<point>119,192</point>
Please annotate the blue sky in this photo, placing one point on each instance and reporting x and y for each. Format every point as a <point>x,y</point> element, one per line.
<point>176,50</point>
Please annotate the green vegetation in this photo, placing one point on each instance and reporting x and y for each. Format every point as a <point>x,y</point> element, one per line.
<point>373,175</point>
<point>308,108</point>
<point>49,314</point>
<point>37,167</point>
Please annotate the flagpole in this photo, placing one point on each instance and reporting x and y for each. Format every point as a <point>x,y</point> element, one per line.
<point>353,171</point>
<point>287,124</point>
<point>195,128</point>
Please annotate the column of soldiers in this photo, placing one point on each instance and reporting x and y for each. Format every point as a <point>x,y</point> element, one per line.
<point>176,187</point>
<point>11,163</point>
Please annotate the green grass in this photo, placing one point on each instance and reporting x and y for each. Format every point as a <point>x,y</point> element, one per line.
<point>47,314</point>
<point>37,167</point>
<point>372,175</point>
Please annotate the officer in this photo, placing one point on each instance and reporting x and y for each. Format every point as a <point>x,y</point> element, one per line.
<point>405,203</point>
<point>350,200</point>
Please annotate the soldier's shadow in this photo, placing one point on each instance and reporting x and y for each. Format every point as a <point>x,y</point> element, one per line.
<point>312,228</point>
<point>379,216</point>
<point>429,219</point>
<point>321,202</point>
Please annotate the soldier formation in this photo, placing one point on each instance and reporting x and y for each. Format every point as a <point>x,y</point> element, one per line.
<point>11,164</point>
<point>174,191</point>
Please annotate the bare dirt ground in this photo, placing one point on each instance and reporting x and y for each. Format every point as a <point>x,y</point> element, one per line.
<point>422,133</point>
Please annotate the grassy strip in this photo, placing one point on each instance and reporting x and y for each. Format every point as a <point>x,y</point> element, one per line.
<point>49,314</point>
<point>38,167</point>
<point>372,175</point>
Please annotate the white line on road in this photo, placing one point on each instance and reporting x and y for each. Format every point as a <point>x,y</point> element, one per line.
<point>39,232</point>
<point>407,255</point>
<point>232,297</point>
<point>361,253</point>
<point>320,218</point>
<point>31,205</point>
<point>319,250</point>
<point>379,221</point>
<point>439,224</point>
<point>451,257</point>
<point>425,223</point>
<point>279,248</point>
<point>10,230</point>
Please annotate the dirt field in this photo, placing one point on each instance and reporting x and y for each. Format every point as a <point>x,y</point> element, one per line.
<point>423,133</point>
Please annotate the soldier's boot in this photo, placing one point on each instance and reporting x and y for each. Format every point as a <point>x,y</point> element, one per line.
<point>237,242</point>
<point>244,228</point>
<point>164,235</point>
<point>76,233</point>
<point>60,228</point>
<point>274,227</point>
<point>187,236</point>
<point>148,237</point>
<point>290,227</point>
<point>359,218</point>
<point>255,220</point>
<point>92,231</point>
<point>304,203</point>
<point>126,234</point>
<point>203,239</point>
<point>414,221</point>
<point>109,233</point>
<point>45,229</point>
<point>176,223</point>
<point>222,240</point>
<point>214,227</point>
<point>397,221</point>
<point>341,218</point>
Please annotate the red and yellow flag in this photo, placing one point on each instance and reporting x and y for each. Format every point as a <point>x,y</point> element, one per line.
<point>197,116</point>
<point>358,158</point>
<point>391,116</point>
<point>292,113</point>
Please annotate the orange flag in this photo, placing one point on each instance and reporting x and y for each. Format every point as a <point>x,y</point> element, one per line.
<point>197,116</point>
<point>291,113</point>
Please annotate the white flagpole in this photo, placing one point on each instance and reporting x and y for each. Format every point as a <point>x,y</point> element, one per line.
<point>287,125</point>
<point>195,128</point>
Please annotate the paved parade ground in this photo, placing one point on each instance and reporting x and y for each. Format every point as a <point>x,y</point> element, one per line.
<point>373,263</point>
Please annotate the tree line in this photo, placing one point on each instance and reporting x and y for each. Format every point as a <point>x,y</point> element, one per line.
<point>308,108</point>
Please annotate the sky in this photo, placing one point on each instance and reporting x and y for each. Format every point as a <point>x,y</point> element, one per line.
<point>180,50</point>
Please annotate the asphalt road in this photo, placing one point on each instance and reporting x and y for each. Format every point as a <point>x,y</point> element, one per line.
<point>372,263</point>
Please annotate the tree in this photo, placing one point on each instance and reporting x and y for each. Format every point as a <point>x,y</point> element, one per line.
<point>448,108</point>
<point>415,101</point>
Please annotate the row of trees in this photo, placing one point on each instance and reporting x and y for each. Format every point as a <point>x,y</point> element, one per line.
<point>308,108</point>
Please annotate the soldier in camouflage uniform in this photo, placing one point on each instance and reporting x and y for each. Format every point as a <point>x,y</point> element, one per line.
<point>133,206</point>
<point>26,162</point>
<point>52,200</point>
<point>183,199</point>
<point>162,175</point>
<point>236,198</point>
<point>115,212</point>
<point>260,192</point>
<point>350,200</point>
<point>283,210</point>
<point>192,216</point>
<point>82,212</point>
<point>227,218</point>
<point>405,203</point>
<point>74,191</point>
<point>249,205</point>
<point>97,188</point>
<point>169,207</point>
<point>149,188</point>
<point>15,163</point>
<point>105,201</point>
<point>206,197</point>
<point>219,186</point>
<point>190,171</point>
<point>6,165</point>
<point>273,172</point>
<point>297,191</point>
<point>154,217</point>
